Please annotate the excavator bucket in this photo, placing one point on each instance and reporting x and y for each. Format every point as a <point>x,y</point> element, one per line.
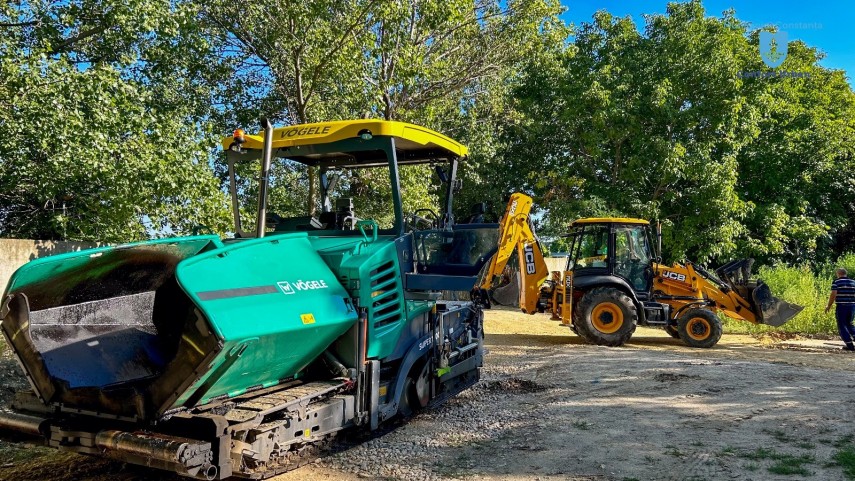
<point>771,310</point>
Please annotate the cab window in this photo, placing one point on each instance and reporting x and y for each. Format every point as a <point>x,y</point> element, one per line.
<point>592,248</point>
<point>632,255</point>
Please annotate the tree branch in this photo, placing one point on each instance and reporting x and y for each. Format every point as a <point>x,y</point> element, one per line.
<point>30,23</point>
<point>65,44</point>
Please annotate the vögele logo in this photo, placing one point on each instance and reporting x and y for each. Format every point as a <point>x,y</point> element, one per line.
<point>773,47</point>
<point>301,285</point>
<point>286,287</point>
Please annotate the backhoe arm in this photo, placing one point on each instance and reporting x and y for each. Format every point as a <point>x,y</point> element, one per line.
<point>516,232</point>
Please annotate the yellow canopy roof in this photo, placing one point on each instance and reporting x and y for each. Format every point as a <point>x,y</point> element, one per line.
<point>605,220</point>
<point>409,136</point>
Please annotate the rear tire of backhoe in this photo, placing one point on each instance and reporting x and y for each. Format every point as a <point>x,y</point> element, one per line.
<point>699,328</point>
<point>605,316</point>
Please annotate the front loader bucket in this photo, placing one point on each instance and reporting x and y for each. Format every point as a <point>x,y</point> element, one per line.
<point>771,310</point>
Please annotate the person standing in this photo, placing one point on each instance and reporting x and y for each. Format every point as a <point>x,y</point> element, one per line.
<point>843,294</point>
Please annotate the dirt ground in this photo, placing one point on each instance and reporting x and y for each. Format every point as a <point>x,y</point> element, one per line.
<point>550,407</point>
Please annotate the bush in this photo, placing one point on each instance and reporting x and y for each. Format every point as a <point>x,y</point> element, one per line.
<point>804,286</point>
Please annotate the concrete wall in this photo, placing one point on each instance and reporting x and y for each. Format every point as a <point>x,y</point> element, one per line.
<point>16,252</point>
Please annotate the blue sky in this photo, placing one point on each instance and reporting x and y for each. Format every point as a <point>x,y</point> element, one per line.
<point>827,25</point>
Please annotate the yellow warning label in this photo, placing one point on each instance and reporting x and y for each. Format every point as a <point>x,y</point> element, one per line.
<point>307,318</point>
<point>307,433</point>
<point>382,390</point>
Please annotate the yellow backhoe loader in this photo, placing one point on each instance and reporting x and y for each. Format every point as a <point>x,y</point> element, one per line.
<point>613,282</point>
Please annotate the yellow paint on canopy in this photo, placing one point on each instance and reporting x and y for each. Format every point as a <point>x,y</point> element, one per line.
<point>615,220</point>
<point>409,136</point>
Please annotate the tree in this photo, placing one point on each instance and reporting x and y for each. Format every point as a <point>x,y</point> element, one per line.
<point>662,124</point>
<point>99,144</point>
<point>419,61</point>
<point>797,174</point>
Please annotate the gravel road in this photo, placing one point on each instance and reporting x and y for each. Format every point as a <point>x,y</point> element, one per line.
<point>552,408</point>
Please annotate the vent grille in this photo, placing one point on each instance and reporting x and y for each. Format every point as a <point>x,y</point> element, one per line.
<point>385,295</point>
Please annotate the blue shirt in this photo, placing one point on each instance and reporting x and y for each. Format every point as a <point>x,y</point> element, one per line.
<point>845,289</point>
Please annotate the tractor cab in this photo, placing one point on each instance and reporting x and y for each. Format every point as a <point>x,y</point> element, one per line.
<point>617,248</point>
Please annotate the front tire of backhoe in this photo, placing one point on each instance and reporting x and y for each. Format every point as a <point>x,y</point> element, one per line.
<point>699,328</point>
<point>605,316</point>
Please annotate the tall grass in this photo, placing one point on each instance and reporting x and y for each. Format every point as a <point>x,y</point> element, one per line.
<point>806,287</point>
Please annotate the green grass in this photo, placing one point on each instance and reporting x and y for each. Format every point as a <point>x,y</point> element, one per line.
<point>845,458</point>
<point>782,463</point>
<point>583,425</point>
<point>673,451</point>
<point>11,453</point>
<point>787,468</point>
<point>779,435</point>
<point>844,441</point>
<point>802,285</point>
<point>728,451</point>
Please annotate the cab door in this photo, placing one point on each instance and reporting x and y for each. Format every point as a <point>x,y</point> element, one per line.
<point>633,256</point>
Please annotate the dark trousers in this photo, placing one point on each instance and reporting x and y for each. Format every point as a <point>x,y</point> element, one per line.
<point>844,314</point>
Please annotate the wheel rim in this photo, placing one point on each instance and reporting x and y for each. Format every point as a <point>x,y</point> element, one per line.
<point>698,328</point>
<point>607,317</point>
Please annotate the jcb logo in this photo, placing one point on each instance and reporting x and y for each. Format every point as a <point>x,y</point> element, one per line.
<point>674,276</point>
<point>529,259</point>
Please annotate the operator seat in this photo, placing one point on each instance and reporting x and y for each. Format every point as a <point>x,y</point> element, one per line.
<point>476,214</point>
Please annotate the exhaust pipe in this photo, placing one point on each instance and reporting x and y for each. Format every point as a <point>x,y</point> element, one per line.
<point>264,178</point>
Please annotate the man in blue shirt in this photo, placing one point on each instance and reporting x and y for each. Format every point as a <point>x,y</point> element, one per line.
<point>843,294</point>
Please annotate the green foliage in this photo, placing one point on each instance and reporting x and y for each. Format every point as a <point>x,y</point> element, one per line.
<point>441,64</point>
<point>98,143</point>
<point>661,124</point>
<point>805,286</point>
<point>114,107</point>
<point>845,457</point>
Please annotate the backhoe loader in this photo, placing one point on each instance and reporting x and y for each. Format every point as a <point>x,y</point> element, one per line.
<point>613,282</point>
<point>244,356</point>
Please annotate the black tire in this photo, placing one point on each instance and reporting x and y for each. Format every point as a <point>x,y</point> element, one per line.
<point>672,331</point>
<point>615,321</point>
<point>699,328</point>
